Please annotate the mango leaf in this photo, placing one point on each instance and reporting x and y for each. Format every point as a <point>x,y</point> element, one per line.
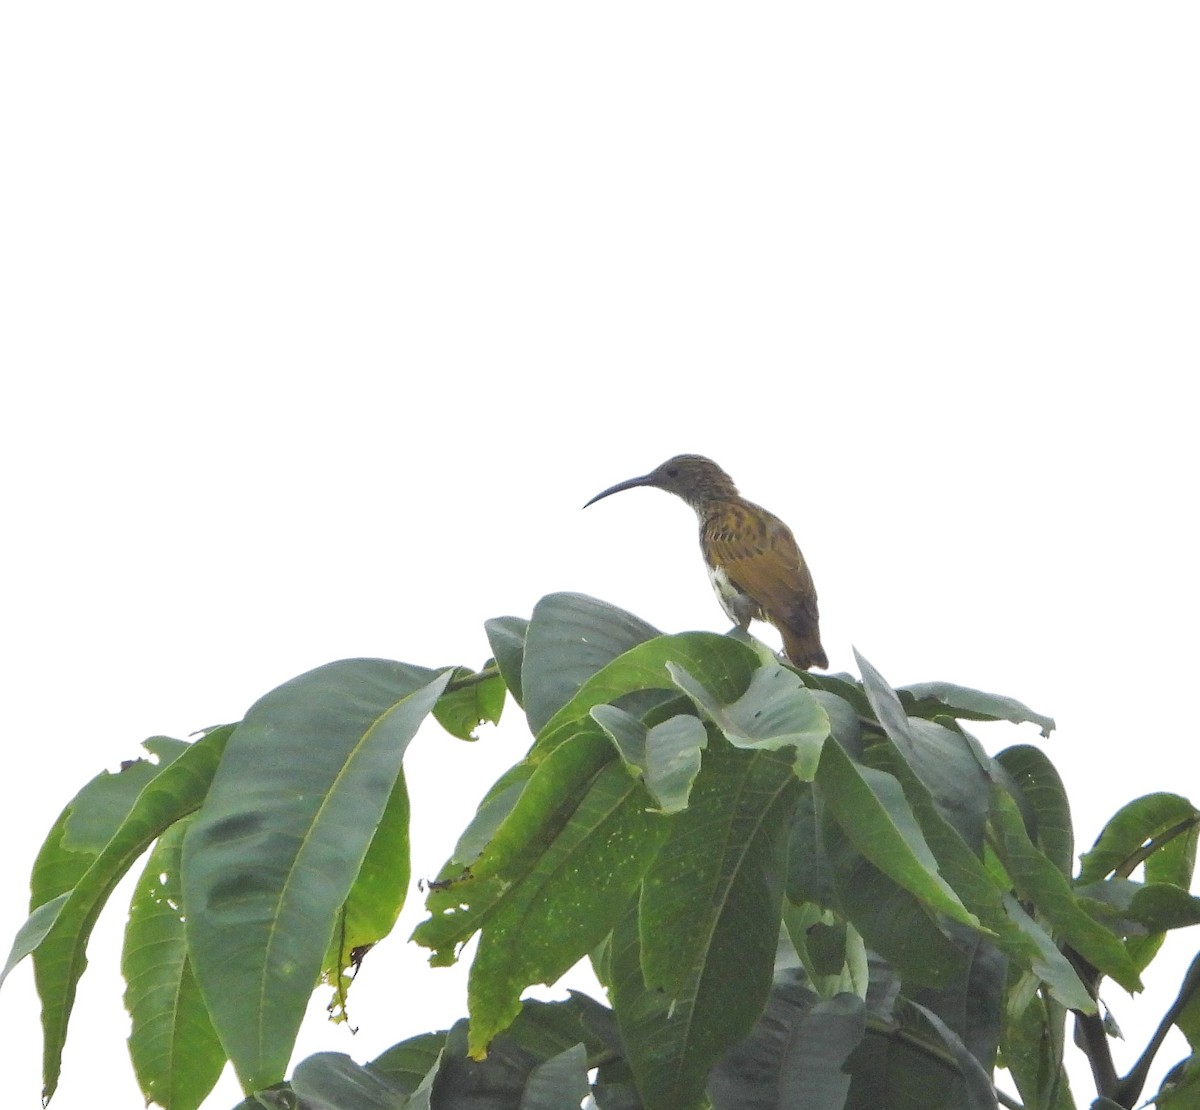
<point>721,663</point>
<point>929,699</point>
<point>471,699</point>
<point>977,1092</point>
<point>776,711</point>
<point>33,932</point>
<point>375,900</point>
<point>526,1068</point>
<point>872,810</point>
<point>1040,882</point>
<point>333,1081</point>
<point>909,1058</point>
<point>1031,1048</point>
<point>410,1061</point>
<point>462,899</point>
<point>566,904</point>
<point>830,949</point>
<point>1025,941</point>
<point>274,852</point>
<point>172,793</point>
<point>954,769</point>
<point>666,756</point>
<point>891,920</point>
<point>176,1054</point>
<point>496,805</point>
<point>715,888</point>
<point>570,637</point>
<point>97,811</point>
<point>800,1046</point>
<point>558,872</point>
<point>506,637</point>
<point>1122,842</point>
<point>1046,799</point>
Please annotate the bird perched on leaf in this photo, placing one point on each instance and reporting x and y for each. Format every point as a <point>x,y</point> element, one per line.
<point>753,561</point>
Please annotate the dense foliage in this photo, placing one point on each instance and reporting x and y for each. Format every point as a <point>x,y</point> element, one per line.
<point>796,889</point>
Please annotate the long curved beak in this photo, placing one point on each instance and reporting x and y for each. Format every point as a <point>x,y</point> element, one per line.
<point>629,483</point>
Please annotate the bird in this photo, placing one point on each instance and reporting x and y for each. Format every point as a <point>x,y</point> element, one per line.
<point>754,562</point>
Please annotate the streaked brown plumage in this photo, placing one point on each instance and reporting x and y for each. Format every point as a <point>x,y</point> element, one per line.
<point>753,560</point>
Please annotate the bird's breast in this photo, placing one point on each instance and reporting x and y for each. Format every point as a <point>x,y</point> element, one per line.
<point>739,606</point>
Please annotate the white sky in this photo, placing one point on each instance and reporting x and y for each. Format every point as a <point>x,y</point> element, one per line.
<point>321,322</point>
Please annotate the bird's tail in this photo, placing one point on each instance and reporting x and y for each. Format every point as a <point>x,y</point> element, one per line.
<point>803,647</point>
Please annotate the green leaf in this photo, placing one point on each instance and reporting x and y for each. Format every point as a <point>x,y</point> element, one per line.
<point>714,890</point>
<point>1122,841</point>
<point>410,1061</point>
<point>375,900</point>
<point>571,637</point>
<point>667,756</point>
<point>175,791</point>
<point>1031,1047</point>
<point>274,852</point>
<point>977,1091</point>
<point>97,811</point>
<point>523,1065</point>
<point>776,711</point>
<point>332,1081</point>
<point>891,921</point>
<point>798,1051</point>
<point>1039,881</point>
<point>871,808</point>
<point>463,899</point>
<point>567,902</point>
<point>506,637</point>
<point>471,700</point>
<point>929,699</point>
<point>497,804</point>
<point>175,1050</point>
<point>33,932</point>
<point>560,1081</point>
<point>1042,790</point>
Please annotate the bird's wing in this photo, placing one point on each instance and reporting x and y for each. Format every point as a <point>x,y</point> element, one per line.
<point>761,558</point>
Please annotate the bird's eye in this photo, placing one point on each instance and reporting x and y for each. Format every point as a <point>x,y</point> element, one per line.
<point>672,472</point>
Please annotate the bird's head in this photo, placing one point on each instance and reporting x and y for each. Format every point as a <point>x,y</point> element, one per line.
<point>693,477</point>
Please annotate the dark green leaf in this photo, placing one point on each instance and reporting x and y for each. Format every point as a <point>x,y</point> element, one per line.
<point>332,1081</point>
<point>977,1092</point>
<point>506,637</point>
<point>513,1067</point>
<point>795,1055</point>
<point>274,852</point>
<point>891,920</point>
<point>410,1061</point>
<point>695,977</point>
<point>571,637</point>
<point>1045,799</point>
